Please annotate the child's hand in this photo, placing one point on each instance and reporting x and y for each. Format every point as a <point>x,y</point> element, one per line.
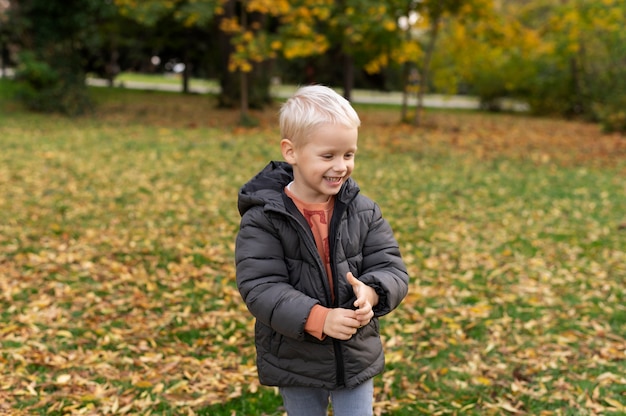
<point>341,323</point>
<point>366,298</point>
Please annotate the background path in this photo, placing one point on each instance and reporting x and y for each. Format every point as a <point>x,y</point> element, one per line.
<point>358,96</point>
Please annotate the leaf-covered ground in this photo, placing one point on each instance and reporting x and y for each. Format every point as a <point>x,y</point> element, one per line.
<point>117,290</point>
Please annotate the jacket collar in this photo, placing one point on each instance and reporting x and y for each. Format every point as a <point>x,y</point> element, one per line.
<point>267,187</point>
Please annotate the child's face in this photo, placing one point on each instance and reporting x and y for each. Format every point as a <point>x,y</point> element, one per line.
<point>322,163</point>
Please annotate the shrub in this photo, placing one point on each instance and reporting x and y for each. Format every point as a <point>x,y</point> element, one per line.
<point>612,115</point>
<point>44,88</point>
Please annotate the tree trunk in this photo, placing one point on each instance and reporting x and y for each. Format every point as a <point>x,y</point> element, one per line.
<point>112,68</point>
<point>348,76</point>
<point>405,92</point>
<point>243,76</point>
<point>578,101</point>
<point>3,55</point>
<point>186,75</point>
<point>423,84</point>
<point>244,105</point>
<point>228,81</point>
<point>237,91</point>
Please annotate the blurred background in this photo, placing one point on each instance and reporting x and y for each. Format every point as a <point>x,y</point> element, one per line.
<point>551,57</point>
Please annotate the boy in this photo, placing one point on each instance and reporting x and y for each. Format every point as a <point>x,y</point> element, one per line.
<point>316,263</point>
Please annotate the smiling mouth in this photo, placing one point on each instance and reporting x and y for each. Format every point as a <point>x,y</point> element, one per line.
<point>334,180</point>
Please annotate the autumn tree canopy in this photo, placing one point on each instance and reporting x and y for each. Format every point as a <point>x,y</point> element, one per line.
<point>563,57</point>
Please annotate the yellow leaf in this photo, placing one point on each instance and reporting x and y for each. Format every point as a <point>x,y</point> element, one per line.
<point>179,387</point>
<point>88,398</point>
<point>8,329</point>
<point>63,378</point>
<point>617,405</point>
<point>483,380</point>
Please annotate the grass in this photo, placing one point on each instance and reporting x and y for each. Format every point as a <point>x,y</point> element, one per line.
<point>117,275</point>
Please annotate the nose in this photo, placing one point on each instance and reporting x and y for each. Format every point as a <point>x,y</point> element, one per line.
<point>341,165</point>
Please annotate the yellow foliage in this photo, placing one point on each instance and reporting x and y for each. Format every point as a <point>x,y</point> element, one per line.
<point>573,48</point>
<point>380,10</point>
<point>377,64</point>
<point>236,64</point>
<point>302,29</point>
<point>459,32</point>
<point>322,13</point>
<point>318,3</point>
<point>389,25</point>
<point>407,52</point>
<point>191,19</point>
<point>229,25</point>
<point>295,48</point>
<point>274,7</point>
<point>247,36</point>
<point>304,13</point>
<point>356,37</point>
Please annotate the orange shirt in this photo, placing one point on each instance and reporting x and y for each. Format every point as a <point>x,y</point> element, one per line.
<point>318,216</point>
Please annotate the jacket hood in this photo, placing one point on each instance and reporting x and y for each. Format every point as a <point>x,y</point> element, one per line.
<point>266,188</point>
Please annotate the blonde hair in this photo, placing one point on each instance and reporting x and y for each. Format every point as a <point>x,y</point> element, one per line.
<point>312,106</point>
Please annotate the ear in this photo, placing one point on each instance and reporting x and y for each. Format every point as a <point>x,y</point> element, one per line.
<point>288,150</point>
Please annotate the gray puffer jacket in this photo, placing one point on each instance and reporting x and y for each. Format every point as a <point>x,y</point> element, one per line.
<point>280,276</point>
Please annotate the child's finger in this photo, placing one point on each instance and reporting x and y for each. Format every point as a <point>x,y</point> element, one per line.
<point>354,282</point>
<point>356,287</point>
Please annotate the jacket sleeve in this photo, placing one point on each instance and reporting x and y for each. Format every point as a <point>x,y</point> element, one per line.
<point>382,267</point>
<point>263,279</point>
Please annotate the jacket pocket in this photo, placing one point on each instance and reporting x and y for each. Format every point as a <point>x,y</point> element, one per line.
<point>372,329</point>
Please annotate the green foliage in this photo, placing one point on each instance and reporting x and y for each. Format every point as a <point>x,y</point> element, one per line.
<point>43,88</point>
<point>550,91</point>
<point>188,13</point>
<point>607,86</point>
<point>7,91</point>
<point>612,114</point>
<point>55,39</point>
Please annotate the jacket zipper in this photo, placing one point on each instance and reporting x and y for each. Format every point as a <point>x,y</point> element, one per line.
<point>332,241</point>
<point>310,244</point>
<point>332,236</point>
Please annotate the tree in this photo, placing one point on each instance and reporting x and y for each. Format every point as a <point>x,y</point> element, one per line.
<point>352,34</point>
<point>363,34</point>
<point>176,20</point>
<point>246,47</point>
<point>4,37</point>
<point>583,73</point>
<point>490,56</point>
<point>55,37</point>
<point>243,46</point>
<point>566,58</point>
<point>412,43</point>
<point>435,12</point>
